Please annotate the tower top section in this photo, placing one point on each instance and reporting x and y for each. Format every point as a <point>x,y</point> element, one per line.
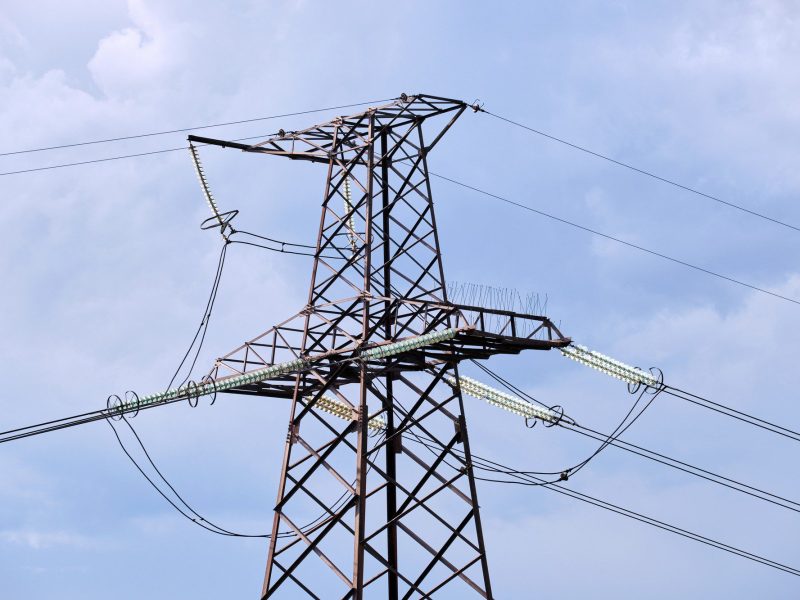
<point>350,135</point>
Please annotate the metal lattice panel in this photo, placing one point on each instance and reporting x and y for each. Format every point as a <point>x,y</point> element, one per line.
<point>402,500</point>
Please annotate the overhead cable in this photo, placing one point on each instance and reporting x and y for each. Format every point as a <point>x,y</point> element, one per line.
<point>642,171</point>
<point>93,161</point>
<point>192,391</point>
<point>733,413</point>
<point>532,480</point>
<point>663,459</point>
<point>187,511</point>
<point>690,469</point>
<point>614,239</point>
<point>627,421</point>
<point>202,328</point>
<point>356,104</point>
<point>633,375</point>
<point>466,186</point>
<point>185,129</point>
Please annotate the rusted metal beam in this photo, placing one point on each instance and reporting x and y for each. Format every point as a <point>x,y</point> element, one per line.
<point>387,283</point>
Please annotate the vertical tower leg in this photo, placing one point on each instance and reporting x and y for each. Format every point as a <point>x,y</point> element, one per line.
<point>410,517</point>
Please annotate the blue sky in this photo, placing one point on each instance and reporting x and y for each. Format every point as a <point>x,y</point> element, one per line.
<point>105,272</point>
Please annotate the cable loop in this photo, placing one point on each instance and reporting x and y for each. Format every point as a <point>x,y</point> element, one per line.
<point>558,409</point>
<point>659,375</point>
<point>114,404</point>
<point>223,221</point>
<point>132,397</point>
<point>192,392</point>
<point>206,381</point>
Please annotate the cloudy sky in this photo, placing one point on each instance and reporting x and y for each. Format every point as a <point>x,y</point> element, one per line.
<point>105,272</point>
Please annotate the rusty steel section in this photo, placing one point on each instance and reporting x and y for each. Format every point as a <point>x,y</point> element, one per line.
<point>393,520</point>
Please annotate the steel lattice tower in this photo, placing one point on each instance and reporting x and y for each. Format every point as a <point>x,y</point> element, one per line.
<point>403,498</point>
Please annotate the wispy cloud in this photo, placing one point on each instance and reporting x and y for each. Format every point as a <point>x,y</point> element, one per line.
<point>42,540</point>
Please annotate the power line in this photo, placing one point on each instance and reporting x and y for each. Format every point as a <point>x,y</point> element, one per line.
<point>642,171</point>
<point>733,413</point>
<point>614,239</point>
<point>282,249</point>
<point>655,523</point>
<point>466,186</point>
<point>197,519</point>
<point>674,463</point>
<point>203,327</point>
<point>91,162</point>
<point>139,154</point>
<point>625,424</point>
<point>677,393</point>
<point>532,481</point>
<point>200,333</point>
<point>120,157</point>
<point>355,104</point>
<point>185,129</point>
<point>281,243</point>
<point>529,478</point>
<point>124,156</point>
<point>656,456</point>
<point>102,414</point>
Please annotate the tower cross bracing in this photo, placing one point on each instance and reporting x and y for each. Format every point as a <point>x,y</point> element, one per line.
<point>393,519</point>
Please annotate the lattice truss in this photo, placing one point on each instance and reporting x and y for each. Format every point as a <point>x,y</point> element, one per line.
<point>369,513</point>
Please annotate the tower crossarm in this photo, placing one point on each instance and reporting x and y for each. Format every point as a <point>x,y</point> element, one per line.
<point>489,331</point>
<point>479,333</point>
<point>349,136</point>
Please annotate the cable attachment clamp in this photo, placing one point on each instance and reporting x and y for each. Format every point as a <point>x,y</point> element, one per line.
<point>477,105</point>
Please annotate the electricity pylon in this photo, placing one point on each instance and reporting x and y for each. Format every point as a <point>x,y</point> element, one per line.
<point>397,509</point>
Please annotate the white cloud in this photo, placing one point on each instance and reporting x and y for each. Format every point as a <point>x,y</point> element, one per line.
<point>42,540</point>
<point>750,345</point>
<point>725,83</point>
<point>108,275</point>
<point>140,60</point>
<point>10,36</point>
